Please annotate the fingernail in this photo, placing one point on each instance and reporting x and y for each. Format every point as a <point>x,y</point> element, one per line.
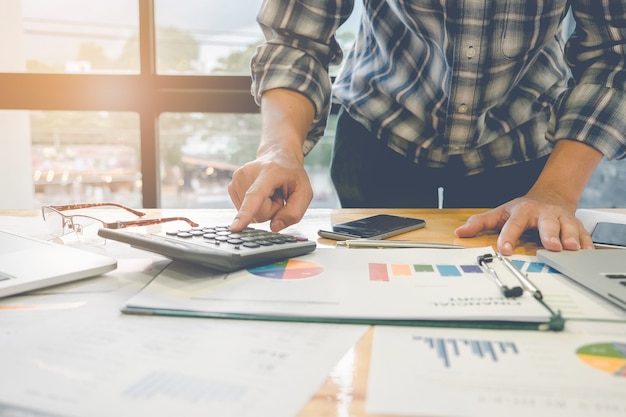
<point>278,225</point>
<point>507,248</point>
<point>556,242</point>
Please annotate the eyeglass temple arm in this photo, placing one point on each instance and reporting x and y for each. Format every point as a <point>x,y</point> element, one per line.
<point>90,205</point>
<point>147,222</point>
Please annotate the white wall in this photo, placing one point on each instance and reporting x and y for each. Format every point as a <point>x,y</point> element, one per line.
<point>16,183</point>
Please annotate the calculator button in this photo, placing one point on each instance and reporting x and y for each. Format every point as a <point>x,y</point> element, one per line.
<point>247,239</point>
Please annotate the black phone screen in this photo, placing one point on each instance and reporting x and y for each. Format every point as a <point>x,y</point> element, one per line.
<point>378,226</point>
<point>613,234</point>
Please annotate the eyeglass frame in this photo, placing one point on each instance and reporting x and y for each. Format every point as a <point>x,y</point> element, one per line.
<point>69,222</point>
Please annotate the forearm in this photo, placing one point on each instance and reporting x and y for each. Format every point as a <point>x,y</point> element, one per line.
<point>286,119</point>
<point>567,171</point>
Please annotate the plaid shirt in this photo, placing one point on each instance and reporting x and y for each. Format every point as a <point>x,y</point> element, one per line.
<point>484,79</point>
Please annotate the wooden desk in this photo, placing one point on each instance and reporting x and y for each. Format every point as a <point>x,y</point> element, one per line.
<point>440,226</point>
<point>344,392</point>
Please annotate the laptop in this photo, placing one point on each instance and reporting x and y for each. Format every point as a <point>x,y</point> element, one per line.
<point>28,264</point>
<point>602,271</point>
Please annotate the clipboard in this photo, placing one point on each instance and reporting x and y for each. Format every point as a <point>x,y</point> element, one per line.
<point>405,287</point>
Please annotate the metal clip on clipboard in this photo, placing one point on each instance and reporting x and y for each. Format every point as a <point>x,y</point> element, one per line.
<point>556,322</point>
<point>484,262</point>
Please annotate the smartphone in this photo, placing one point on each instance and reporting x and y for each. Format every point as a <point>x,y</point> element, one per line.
<point>611,235</point>
<point>380,226</point>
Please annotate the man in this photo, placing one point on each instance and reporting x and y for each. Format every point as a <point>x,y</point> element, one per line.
<point>475,96</point>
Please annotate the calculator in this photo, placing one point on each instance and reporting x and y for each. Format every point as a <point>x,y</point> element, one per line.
<point>216,247</point>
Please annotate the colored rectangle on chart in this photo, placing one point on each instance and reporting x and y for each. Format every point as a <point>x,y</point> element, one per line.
<point>471,269</point>
<point>518,264</point>
<point>378,272</point>
<point>423,268</point>
<point>448,271</point>
<point>401,270</point>
<point>535,267</point>
<point>532,266</point>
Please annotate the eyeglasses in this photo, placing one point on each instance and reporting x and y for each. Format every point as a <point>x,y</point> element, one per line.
<point>86,227</point>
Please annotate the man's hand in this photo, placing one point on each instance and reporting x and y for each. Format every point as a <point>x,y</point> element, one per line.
<point>275,185</point>
<point>271,187</point>
<point>549,206</point>
<point>558,227</point>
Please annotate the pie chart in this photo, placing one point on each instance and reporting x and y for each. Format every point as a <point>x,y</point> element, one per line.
<point>607,357</point>
<point>288,269</point>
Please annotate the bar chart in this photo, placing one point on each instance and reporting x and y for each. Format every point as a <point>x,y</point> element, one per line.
<point>447,349</point>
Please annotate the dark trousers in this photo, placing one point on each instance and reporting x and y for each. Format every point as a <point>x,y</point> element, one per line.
<point>367,174</point>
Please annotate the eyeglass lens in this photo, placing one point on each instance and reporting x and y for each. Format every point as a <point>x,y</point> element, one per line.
<point>54,221</point>
<point>59,224</point>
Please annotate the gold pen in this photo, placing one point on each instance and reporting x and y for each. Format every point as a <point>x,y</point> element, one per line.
<point>381,244</point>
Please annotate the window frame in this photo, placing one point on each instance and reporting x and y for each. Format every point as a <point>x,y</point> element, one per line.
<point>148,94</point>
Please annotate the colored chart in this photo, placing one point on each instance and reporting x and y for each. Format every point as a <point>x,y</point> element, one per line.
<point>530,267</point>
<point>384,272</point>
<point>289,269</point>
<point>449,350</point>
<point>607,357</point>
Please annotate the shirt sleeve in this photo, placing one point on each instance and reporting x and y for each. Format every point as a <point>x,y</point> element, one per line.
<point>593,110</point>
<point>299,48</point>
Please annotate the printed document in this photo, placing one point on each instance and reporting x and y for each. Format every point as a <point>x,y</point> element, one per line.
<point>579,372</point>
<point>101,363</point>
<point>419,286</point>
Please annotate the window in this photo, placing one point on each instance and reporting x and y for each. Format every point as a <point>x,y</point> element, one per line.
<point>75,36</point>
<point>159,87</point>
<point>202,37</point>
<point>85,156</point>
<point>154,95</point>
<point>199,152</point>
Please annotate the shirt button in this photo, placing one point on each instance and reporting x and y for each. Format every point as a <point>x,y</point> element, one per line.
<point>462,108</point>
<point>470,52</point>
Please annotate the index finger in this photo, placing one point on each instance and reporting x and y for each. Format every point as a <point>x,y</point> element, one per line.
<point>511,232</point>
<point>259,203</point>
